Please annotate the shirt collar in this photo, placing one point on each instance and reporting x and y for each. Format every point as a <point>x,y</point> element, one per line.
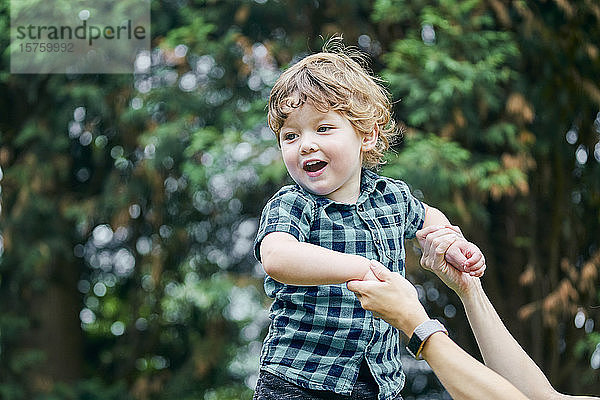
<point>369,181</point>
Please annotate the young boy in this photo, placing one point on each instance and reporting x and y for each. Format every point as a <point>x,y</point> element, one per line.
<point>333,121</point>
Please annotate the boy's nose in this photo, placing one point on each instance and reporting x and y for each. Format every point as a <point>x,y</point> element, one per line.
<point>308,145</point>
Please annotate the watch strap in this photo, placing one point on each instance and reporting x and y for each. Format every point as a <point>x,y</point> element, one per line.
<point>421,334</point>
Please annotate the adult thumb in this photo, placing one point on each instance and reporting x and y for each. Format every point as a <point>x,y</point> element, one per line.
<point>380,271</point>
<point>354,285</point>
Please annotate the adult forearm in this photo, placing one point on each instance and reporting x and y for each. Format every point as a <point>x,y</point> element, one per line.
<point>500,350</point>
<point>464,377</point>
<point>299,263</point>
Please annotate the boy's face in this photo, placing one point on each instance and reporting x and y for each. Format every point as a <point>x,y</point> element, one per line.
<point>323,152</point>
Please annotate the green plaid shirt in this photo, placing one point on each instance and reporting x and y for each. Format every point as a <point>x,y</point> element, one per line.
<point>319,334</point>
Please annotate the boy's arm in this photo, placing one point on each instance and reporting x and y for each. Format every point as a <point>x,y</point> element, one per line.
<point>289,261</point>
<point>433,216</point>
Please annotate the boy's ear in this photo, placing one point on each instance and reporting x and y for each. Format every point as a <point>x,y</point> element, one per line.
<point>369,140</point>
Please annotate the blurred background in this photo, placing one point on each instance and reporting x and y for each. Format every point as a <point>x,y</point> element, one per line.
<point>129,203</point>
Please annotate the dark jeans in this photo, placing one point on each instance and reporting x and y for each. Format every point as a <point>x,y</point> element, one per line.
<point>272,387</point>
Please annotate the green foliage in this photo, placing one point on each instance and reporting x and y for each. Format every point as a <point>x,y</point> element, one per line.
<point>431,160</point>
<point>92,389</point>
<point>457,75</point>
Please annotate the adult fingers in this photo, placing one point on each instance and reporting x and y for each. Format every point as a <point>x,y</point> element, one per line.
<point>362,287</point>
<point>456,229</point>
<point>435,259</point>
<point>426,235</point>
<point>442,245</point>
<point>433,252</point>
<point>425,262</point>
<point>355,286</point>
<point>434,239</point>
<point>422,233</point>
<point>380,271</point>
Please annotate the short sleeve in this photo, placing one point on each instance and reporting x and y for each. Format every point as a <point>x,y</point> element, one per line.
<point>287,211</point>
<point>415,211</point>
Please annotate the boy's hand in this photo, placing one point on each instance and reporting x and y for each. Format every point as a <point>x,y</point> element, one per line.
<point>465,256</point>
<point>461,254</point>
<point>434,241</point>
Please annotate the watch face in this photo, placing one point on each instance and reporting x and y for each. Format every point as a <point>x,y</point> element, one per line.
<point>411,352</point>
<point>414,344</point>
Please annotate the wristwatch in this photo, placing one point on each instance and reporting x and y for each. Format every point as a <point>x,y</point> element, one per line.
<point>421,334</point>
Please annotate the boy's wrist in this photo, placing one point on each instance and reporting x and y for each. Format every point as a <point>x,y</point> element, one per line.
<point>360,269</point>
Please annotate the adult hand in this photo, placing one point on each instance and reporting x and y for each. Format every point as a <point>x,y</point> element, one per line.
<point>435,241</point>
<point>392,298</point>
<point>369,275</point>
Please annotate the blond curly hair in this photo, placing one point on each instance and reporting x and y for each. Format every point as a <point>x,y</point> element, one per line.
<point>336,79</point>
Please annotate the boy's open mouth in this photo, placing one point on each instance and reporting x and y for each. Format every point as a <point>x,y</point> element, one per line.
<point>314,166</point>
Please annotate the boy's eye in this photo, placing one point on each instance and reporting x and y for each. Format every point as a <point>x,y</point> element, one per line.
<point>323,128</point>
<point>289,136</point>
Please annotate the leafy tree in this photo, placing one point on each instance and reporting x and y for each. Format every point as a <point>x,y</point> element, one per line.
<point>501,106</point>
<point>130,205</point>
